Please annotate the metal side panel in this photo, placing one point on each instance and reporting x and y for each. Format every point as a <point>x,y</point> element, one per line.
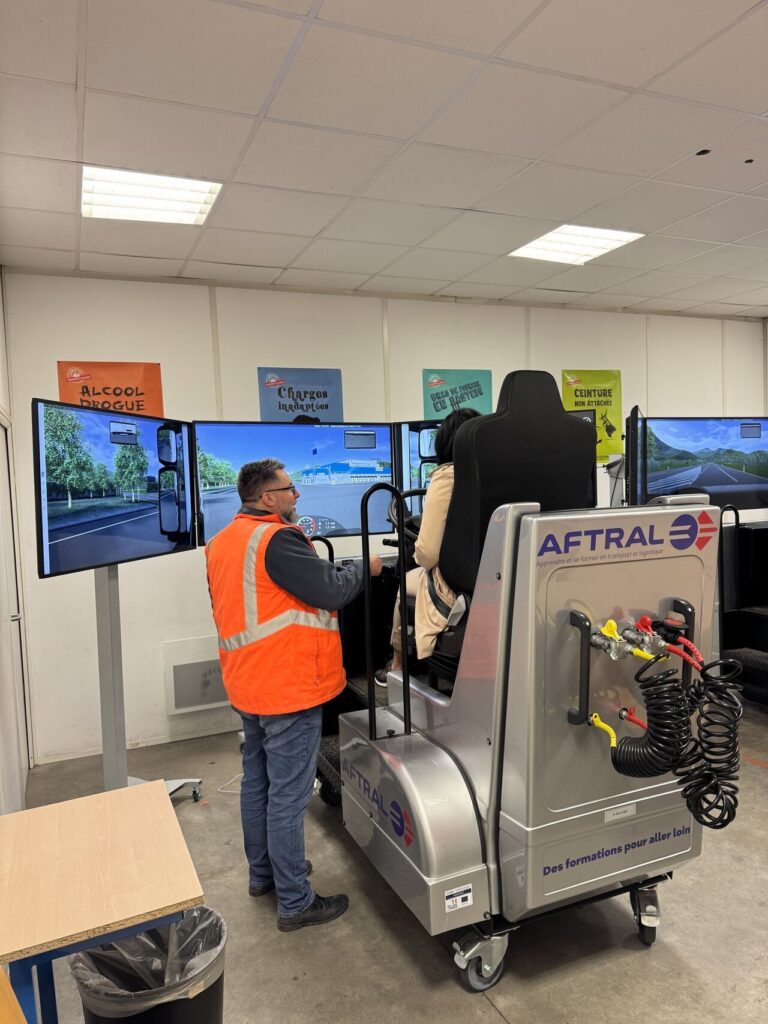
<point>406,805</point>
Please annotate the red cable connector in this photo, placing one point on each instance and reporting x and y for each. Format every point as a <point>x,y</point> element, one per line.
<point>644,624</point>
<point>628,714</point>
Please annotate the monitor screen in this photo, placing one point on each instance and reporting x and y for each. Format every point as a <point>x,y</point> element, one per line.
<point>726,458</point>
<point>332,465</point>
<point>109,487</point>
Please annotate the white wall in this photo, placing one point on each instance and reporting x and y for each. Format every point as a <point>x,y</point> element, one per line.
<point>210,343</point>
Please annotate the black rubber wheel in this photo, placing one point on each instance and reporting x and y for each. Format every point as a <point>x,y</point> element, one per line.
<point>196,795</point>
<point>647,934</point>
<point>473,979</point>
<point>329,795</point>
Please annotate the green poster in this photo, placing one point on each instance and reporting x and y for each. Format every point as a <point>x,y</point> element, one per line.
<point>597,394</point>
<point>446,390</point>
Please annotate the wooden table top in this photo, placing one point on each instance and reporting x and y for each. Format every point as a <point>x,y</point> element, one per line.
<point>79,869</point>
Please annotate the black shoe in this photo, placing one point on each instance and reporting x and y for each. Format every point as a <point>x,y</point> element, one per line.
<point>262,890</point>
<point>320,911</point>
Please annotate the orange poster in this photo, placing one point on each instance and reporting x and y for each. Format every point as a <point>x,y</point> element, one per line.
<point>123,387</point>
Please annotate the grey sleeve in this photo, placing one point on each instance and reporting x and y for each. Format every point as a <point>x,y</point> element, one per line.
<point>294,565</point>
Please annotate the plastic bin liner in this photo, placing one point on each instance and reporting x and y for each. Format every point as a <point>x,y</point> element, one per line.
<point>161,965</point>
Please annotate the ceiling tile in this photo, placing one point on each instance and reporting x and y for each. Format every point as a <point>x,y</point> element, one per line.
<point>653,251</point>
<point>718,309</point>
<point>591,278</point>
<point>440,176</point>
<point>740,55</point>
<point>479,26</point>
<point>403,285</point>
<point>516,270</point>
<point>602,300</point>
<point>433,264</point>
<point>371,220</point>
<point>360,257</point>
<point>346,80</point>
<point>718,288</point>
<point>135,238</point>
<point>294,156</point>
<point>208,54</point>
<point>757,272</point>
<point>650,206</point>
<point>619,40</point>
<point>39,184</point>
<point>291,6</point>
<point>749,296</point>
<point>725,166</point>
<point>129,266</point>
<point>662,305</point>
<point>320,279</point>
<point>39,119</point>
<point>231,272</point>
<point>37,259</point>
<point>489,232</point>
<point>37,230</point>
<point>525,113</point>
<point>548,190</point>
<point>757,311</point>
<point>471,290</point>
<point>254,248</point>
<point>725,259</point>
<point>646,134</point>
<point>38,38</point>
<point>253,208</point>
<point>547,296</point>
<point>162,138</point>
<point>736,218</point>
<point>659,282</point>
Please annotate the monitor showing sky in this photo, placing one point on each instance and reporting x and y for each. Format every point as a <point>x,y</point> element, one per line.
<point>110,487</point>
<point>725,458</point>
<point>332,465</point>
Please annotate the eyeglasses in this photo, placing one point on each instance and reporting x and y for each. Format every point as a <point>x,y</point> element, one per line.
<point>273,490</point>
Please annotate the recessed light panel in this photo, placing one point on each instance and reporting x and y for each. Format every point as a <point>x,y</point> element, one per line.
<point>574,244</point>
<point>127,195</point>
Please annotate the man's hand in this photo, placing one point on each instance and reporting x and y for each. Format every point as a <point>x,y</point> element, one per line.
<point>375,563</point>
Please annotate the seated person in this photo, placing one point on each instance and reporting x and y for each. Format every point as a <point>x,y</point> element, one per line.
<point>434,598</point>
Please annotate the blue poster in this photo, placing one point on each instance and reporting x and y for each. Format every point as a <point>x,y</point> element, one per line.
<point>288,392</point>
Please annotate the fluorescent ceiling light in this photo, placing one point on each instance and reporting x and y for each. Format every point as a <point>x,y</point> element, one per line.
<point>126,195</point>
<point>573,244</point>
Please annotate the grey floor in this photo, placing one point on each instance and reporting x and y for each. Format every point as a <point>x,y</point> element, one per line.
<point>709,964</point>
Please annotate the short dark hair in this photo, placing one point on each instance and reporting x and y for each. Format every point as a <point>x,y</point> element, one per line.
<point>254,477</point>
<point>446,432</point>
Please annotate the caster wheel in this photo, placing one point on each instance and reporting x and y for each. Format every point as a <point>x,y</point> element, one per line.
<point>473,979</point>
<point>196,794</point>
<point>647,935</point>
<point>329,795</point>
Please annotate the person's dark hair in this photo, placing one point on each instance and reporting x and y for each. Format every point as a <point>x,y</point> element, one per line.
<point>303,418</point>
<point>446,432</point>
<point>255,477</point>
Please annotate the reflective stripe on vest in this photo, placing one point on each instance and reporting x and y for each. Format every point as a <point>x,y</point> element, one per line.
<point>254,630</point>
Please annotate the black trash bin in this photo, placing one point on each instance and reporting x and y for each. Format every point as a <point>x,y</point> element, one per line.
<point>168,975</point>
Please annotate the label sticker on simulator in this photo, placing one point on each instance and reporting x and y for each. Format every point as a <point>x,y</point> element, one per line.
<point>457,899</point>
<point>615,813</point>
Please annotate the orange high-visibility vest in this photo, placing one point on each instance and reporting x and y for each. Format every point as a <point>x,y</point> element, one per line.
<point>277,654</point>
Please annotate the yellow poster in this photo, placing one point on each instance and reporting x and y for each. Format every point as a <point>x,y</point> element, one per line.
<point>597,394</point>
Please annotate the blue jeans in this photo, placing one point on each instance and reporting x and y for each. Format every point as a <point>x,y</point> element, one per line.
<point>279,767</point>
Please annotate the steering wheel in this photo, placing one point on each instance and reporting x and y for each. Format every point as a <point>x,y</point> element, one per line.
<point>412,523</point>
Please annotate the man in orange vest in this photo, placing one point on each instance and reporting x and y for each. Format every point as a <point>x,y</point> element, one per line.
<point>275,605</point>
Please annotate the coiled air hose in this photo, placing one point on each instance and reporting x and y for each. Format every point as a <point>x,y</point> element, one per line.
<point>709,770</point>
<point>663,745</point>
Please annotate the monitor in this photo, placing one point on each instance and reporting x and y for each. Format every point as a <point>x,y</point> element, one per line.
<point>109,487</point>
<point>332,465</point>
<point>726,458</point>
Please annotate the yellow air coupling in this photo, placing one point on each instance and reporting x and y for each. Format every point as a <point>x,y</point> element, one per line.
<point>596,721</point>
<point>611,630</point>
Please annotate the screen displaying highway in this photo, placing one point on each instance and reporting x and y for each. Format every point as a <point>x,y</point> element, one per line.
<point>331,464</point>
<point>725,458</point>
<point>111,487</point>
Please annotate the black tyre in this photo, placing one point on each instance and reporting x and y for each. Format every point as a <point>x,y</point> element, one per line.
<point>647,934</point>
<point>196,795</point>
<point>329,794</point>
<point>473,979</point>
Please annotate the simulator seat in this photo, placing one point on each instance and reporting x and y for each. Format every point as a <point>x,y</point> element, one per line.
<point>530,449</point>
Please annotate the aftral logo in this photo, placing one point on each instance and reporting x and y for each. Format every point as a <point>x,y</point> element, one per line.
<point>401,823</point>
<point>688,529</point>
<point>397,816</point>
<point>685,531</point>
<point>273,381</point>
<point>435,381</point>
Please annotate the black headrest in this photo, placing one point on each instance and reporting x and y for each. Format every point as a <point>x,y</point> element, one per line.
<point>530,449</point>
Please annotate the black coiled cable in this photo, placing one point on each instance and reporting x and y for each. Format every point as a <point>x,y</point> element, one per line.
<point>709,770</point>
<point>664,744</point>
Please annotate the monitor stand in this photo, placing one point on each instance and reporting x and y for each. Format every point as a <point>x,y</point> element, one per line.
<point>110,652</point>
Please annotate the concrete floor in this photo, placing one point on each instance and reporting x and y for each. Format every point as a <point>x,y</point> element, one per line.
<point>709,964</point>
